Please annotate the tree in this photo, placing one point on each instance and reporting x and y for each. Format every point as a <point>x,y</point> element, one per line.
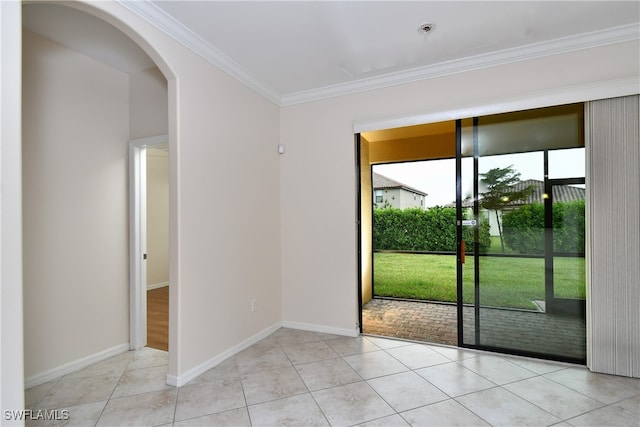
<point>500,192</point>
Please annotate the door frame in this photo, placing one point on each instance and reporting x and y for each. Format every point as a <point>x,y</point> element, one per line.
<point>555,304</point>
<point>138,237</point>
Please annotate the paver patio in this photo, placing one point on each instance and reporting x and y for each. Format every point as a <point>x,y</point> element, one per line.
<point>513,329</point>
<point>418,321</point>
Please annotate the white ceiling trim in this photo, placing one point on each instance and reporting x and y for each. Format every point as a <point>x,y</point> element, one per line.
<point>523,53</point>
<point>183,35</point>
<point>176,30</point>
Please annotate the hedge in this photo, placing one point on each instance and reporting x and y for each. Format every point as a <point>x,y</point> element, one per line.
<point>523,228</point>
<point>415,229</point>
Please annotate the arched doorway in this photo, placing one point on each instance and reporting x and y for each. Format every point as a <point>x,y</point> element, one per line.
<point>78,117</point>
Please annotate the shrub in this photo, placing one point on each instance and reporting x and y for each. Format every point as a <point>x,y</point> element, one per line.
<point>569,227</point>
<point>523,228</point>
<point>415,229</point>
<point>484,235</point>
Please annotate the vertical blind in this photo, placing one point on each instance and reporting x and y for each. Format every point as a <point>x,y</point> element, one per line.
<point>613,186</point>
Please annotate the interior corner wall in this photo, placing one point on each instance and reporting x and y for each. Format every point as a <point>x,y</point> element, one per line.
<point>613,161</point>
<point>149,105</point>
<point>224,201</point>
<point>157,218</point>
<point>75,229</point>
<point>229,215</point>
<point>319,239</point>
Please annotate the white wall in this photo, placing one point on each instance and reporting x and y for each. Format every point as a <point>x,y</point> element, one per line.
<point>222,148</point>
<point>400,198</point>
<point>11,330</point>
<point>75,135</point>
<point>157,217</point>
<point>229,213</point>
<point>224,210</point>
<point>148,106</point>
<point>410,200</point>
<point>319,245</point>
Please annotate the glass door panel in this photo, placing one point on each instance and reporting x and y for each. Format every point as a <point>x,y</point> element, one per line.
<point>566,280</point>
<point>521,275</point>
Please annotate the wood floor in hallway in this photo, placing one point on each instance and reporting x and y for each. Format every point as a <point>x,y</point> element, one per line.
<point>158,318</point>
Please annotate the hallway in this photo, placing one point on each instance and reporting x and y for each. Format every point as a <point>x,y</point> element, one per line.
<point>158,318</point>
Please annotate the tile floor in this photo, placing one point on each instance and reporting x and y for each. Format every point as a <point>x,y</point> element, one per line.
<point>299,378</point>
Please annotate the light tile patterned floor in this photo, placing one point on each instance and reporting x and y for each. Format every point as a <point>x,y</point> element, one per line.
<point>298,378</point>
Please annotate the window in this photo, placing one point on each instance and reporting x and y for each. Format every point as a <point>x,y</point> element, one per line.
<point>378,196</point>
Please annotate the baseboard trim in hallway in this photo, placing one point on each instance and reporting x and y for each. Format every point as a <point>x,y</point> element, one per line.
<point>75,365</point>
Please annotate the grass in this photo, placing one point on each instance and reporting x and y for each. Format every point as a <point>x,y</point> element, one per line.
<point>496,246</point>
<point>504,282</point>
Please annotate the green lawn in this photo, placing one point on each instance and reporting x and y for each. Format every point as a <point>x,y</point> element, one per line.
<point>497,247</point>
<point>504,282</point>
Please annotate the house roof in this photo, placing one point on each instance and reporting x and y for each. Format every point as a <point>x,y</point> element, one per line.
<point>381,182</point>
<point>561,193</point>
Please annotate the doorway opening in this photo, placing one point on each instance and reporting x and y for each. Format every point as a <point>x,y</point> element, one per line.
<point>407,180</point>
<point>414,251</point>
<point>149,251</point>
<point>519,245</point>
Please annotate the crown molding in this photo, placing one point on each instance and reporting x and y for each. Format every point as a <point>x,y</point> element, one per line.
<point>523,53</point>
<point>183,35</point>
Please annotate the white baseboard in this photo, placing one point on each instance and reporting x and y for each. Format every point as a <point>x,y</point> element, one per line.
<point>181,380</point>
<point>157,285</point>
<point>67,368</point>
<point>322,329</point>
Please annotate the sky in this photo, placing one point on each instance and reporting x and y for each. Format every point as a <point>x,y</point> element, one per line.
<point>437,178</point>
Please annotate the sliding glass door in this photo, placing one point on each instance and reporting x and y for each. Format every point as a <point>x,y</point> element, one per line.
<point>520,228</point>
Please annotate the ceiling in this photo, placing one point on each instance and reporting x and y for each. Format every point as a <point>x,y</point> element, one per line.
<point>297,51</point>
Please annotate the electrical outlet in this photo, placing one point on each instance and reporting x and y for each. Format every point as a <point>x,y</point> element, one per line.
<point>253,305</point>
